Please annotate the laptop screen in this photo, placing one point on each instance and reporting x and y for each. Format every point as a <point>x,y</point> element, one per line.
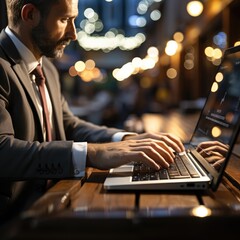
<point>218,125</point>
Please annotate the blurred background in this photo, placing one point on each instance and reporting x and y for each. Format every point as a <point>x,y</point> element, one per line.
<point>144,56</point>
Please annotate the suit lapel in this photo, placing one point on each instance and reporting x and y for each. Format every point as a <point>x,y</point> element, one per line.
<point>26,82</point>
<point>19,68</point>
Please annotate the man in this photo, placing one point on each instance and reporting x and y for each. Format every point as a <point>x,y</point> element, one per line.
<point>38,30</point>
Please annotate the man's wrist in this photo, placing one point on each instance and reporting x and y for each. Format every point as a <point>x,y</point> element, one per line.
<point>128,136</point>
<point>120,136</point>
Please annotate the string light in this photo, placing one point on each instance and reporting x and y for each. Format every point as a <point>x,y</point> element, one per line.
<point>137,64</point>
<point>194,8</point>
<point>110,41</point>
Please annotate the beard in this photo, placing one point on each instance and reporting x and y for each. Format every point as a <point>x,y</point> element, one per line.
<point>47,46</point>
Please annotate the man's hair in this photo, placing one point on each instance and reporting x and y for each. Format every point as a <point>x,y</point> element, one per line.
<point>14,8</point>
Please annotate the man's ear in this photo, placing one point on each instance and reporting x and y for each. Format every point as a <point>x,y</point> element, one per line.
<point>30,14</point>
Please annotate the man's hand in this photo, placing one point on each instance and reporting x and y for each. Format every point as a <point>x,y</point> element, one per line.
<point>171,140</point>
<point>214,152</point>
<point>154,150</point>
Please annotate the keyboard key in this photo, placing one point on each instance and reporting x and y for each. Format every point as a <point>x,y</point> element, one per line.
<point>163,174</point>
<point>173,171</point>
<point>182,169</point>
<point>190,167</point>
<point>154,176</point>
<point>135,178</point>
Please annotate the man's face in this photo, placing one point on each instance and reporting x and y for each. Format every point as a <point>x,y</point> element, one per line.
<point>55,32</point>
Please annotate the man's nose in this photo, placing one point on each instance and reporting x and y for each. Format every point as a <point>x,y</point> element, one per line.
<point>72,33</point>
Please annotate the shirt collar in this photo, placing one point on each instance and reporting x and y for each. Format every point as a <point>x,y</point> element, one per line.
<point>26,55</point>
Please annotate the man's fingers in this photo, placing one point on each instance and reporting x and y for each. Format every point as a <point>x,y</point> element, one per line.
<point>171,140</point>
<point>174,142</point>
<point>162,156</point>
<point>160,146</point>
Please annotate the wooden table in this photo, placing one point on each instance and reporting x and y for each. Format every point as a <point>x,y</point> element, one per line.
<point>82,209</point>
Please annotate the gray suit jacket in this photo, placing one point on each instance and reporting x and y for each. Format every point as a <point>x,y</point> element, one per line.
<point>23,154</point>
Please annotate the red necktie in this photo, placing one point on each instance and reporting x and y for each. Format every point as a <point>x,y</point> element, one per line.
<point>40,81</point>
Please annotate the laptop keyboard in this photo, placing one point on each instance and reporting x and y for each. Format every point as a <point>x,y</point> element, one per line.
<point>181,168</point>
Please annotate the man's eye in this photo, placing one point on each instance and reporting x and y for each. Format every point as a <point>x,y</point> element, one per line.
<point>65,20</point>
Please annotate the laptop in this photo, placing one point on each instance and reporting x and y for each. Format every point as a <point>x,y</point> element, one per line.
<point>203,163</point>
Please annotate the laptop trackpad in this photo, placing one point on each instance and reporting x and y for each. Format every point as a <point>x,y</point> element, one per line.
<point>123,168</point>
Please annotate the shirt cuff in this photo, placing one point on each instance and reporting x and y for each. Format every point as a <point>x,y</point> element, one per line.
<point>117,137</point>
<point>79,156</point>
